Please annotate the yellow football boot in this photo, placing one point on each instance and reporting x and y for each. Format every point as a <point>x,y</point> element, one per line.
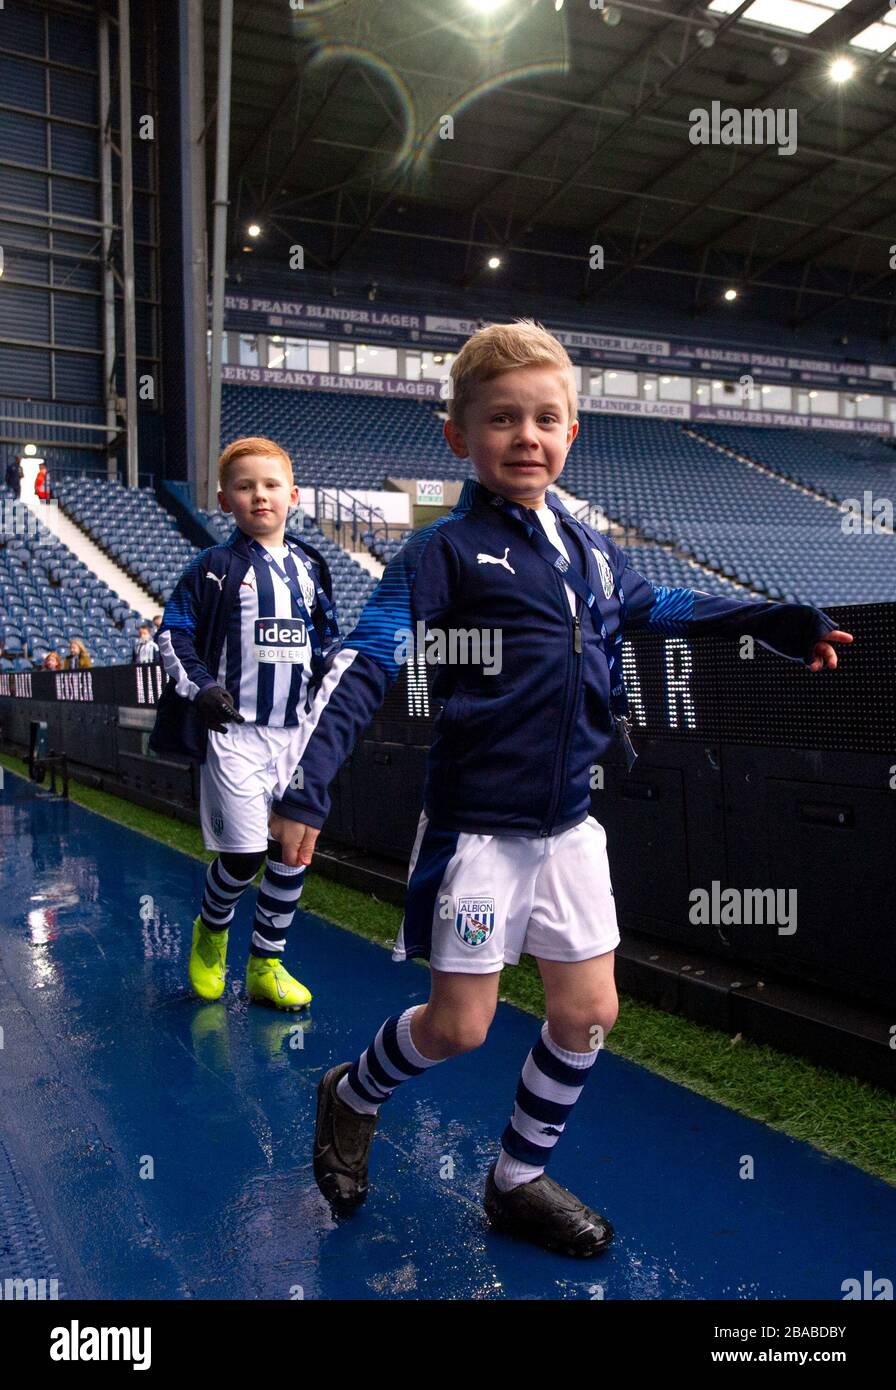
<point>268,982</point>
<point>208,960</point>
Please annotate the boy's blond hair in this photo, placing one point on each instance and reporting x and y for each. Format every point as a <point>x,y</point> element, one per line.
<point>252,444</point>
<point>501,347</point>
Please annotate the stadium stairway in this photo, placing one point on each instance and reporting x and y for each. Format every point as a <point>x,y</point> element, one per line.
<point>582,509</point>
<point>367,562</point>
<point>71,536</point>
<point>754,459</point>
<point>825,464</point>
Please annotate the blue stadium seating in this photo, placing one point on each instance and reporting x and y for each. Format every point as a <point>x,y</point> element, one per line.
<point>838,465</point>
<point>132,527</point>
<point>337,438</point>
<point>650,476</point>
<point>48,596</point>
<point>689,504</point>
<point>656,477</point>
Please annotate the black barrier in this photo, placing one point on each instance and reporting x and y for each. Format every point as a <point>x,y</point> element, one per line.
<point>704,689</point>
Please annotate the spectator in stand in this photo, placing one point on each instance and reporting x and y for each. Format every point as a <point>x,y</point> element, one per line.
<point>145,649</point>
<point>42,484</point>
<point>77,658</point>
<point>157,623</point>
<point>14,475</point>
<point>52,662</point>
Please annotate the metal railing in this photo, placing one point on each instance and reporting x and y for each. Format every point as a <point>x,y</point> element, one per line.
<point>350,519</point>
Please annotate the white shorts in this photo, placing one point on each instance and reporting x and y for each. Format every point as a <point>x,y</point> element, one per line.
<point>245,769</point>
<point>475,903</point>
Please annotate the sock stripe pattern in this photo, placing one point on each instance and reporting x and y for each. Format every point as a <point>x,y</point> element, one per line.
<point>389,1060</point>
<point>223,891</point>
<point>548,1089</point>
<point>278,897</point>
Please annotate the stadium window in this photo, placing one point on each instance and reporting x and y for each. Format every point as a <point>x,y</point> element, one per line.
<point>596,384</point>
<point>296,354</point>
<point>276,352</point>
<point>675,388</point>
<point>824,403</point>
<point>727,393</point>
<point>377,361</point>
<point>618,383</point>
<point>775,398</point>
<point>318,357</point>
<point>871,408</point>
<point>811,402</point>
<point>577,373</point>
<point>436,365</point>
<point>249,350</point>
<point>891,406</point>
<point>412,365</point>
<point>346,361</point>
<point>794,16</point>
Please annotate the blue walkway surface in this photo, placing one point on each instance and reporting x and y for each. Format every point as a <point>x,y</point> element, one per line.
<point>152,1146</point>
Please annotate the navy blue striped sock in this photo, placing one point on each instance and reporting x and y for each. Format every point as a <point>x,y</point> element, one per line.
<point>226,880</point>
<point>390,1059</point>
<point>278,898</point>
<point>549,1086</point>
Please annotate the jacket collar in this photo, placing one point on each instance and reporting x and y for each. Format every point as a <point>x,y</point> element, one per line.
<point>474,491</point>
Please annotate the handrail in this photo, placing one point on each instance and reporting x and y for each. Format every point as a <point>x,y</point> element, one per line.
<point>358,513</point>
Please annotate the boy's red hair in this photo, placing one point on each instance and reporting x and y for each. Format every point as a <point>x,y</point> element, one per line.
<point>252,444</point>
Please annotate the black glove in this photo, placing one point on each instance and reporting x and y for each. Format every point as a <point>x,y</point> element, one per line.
<point>215,706</point>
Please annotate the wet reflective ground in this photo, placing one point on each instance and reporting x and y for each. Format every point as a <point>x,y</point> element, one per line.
<point>152,1146</point>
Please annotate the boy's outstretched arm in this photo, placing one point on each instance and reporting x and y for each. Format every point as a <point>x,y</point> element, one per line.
<point>796,631</point>
<point>175,637</point>
<point>417,586</point>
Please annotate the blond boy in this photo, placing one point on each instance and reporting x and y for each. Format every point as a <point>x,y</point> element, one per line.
<point>507,857</point>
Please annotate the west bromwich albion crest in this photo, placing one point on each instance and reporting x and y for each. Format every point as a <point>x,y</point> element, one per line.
<point>606,574</point>
<point>474,920</point>
<point>306,584</point>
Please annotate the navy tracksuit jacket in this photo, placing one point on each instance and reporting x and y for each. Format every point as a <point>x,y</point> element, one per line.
<point>513,751</point>
<point>193,631</point>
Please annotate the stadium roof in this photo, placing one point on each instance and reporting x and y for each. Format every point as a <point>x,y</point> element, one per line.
<point>571,128</point>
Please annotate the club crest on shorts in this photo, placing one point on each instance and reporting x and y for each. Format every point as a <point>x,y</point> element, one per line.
<point>474,920</point>
<point>606,574</point>
<point>218,823</point>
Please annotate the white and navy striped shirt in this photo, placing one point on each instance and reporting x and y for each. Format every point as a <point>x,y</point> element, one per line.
<point>268,678</point>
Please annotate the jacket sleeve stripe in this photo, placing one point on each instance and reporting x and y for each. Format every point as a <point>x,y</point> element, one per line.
<point>175,637</point>
<point>168,642</point>
<point>672,609</point>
